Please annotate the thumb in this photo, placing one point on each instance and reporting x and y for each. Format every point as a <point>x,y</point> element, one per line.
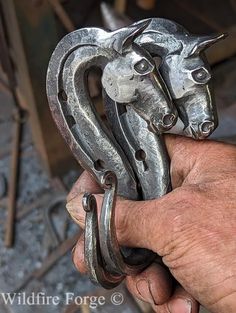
<point>141,224</point>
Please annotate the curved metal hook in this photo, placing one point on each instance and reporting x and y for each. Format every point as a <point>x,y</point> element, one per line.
<point>93,257</point>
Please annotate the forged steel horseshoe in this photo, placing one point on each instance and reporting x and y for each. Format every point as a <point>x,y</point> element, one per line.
<point>89,140</point>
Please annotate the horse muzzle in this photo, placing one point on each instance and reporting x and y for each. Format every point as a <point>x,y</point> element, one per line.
<point>201,130</point>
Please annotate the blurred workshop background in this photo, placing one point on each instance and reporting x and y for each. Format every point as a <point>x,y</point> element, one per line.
<point>36,167</point>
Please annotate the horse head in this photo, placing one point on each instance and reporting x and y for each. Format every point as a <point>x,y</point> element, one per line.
<point>190,76</point>
<point>132,79</point>
<point>186,72</point>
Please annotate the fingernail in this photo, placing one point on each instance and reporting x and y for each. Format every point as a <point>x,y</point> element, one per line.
<point>71,195</point>
<point>144,290</point>
<point>179,305</point>
<point>74,207</point>
<point>70,207</point>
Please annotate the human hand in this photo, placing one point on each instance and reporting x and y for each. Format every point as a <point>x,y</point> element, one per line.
<point>193,228</point>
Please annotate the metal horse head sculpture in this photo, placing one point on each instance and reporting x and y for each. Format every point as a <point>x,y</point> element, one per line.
<point>140,109</point>
<point>184,68</point>
<point>132,79</point>
<point>186,73</point>
<point>92,144</point>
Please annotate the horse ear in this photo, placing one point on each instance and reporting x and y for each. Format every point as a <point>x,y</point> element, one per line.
<point>202,43</point>
<point>124,37</point>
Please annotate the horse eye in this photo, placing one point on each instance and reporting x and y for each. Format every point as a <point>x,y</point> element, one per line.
<point>201,75</point>
<point>142,67</point>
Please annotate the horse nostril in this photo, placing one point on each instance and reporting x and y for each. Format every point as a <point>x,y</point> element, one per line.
<point>207,127</point>
<point>168,119</point>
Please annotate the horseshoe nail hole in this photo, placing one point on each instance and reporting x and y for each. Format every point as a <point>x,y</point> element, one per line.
<point>62,95</point>
<point>99,165</point>
<point>70,120</point>
<point>140,155</point>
